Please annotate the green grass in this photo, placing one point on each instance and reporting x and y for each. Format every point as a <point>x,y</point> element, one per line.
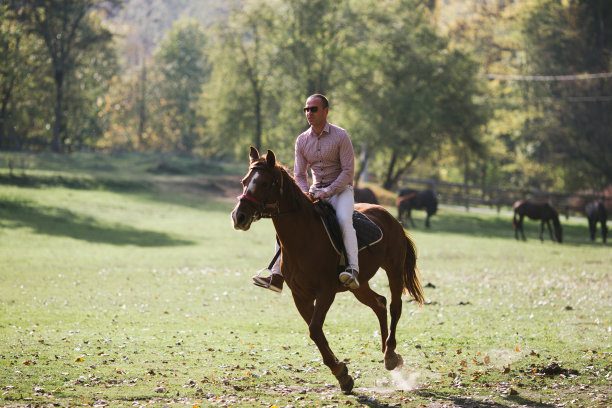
<point>123,283</point>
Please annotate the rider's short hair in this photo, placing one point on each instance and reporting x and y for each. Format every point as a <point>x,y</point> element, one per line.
<point>322,98</point>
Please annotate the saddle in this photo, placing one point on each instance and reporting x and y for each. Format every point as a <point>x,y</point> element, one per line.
<point>368,233</point>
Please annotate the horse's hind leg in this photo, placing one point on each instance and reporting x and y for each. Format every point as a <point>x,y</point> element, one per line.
<point>410,217</point>
<point>378,304</point>
<point>542,230</point>
<point>392,359</point>
<point>593,228</point>
<point>520,227</point>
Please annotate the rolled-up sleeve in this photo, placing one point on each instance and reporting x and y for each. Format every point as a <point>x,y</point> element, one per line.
<point>300,167</point>
<point>347,164</point>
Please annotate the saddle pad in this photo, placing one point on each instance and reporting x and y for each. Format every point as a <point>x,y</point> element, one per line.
<point>368,233</point>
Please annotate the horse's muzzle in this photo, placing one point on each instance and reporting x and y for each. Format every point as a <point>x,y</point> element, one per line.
<point>241,220</point>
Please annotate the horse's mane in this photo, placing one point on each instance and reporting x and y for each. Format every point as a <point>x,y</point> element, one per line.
<point>291,188</point>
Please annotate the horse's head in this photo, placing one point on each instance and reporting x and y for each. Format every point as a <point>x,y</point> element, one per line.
<point>261,190</point>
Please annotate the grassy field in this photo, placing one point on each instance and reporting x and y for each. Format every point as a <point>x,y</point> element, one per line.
<point>122,283</point>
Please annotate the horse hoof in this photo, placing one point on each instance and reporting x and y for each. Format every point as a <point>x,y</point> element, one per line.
<point>348,386</point>
<point>345,380</point>
<point>394,361</point>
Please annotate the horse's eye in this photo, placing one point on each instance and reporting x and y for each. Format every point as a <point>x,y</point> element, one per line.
<point>265,184</point>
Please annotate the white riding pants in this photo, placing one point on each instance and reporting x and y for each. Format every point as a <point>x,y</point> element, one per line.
<point>344,204</point>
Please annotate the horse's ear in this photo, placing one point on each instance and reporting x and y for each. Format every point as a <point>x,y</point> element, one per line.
<point>271,158</point>
<point>254,154</point>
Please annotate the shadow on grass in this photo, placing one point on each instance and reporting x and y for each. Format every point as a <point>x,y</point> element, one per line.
<point>499,226</point>
<point>61,222</point>
<point>76,182</point>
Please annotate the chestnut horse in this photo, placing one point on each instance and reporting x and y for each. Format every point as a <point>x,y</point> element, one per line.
<point>309,263</point>
<point>536,211</point>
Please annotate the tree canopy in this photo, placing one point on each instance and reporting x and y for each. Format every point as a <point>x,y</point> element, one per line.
<point>486,92</point>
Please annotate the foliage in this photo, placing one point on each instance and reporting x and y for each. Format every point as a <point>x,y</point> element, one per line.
<point>25,111</point>
<point>573,38</point>
<point>409,80</point>
<point>238,101</point>
<point>69,31</point>
<point>417,92</point>
<point>182,68</point>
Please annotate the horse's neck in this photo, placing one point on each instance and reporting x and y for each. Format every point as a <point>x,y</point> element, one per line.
<point>297,224</point>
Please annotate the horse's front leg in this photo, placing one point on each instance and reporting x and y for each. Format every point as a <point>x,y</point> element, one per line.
<point>542,230</point>
<point>314,313</point>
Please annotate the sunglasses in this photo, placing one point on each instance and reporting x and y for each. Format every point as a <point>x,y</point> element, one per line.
<point>312,109</point>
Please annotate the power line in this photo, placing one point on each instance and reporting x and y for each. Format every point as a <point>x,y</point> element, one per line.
<point>581,77</point>
<point>589,98</point>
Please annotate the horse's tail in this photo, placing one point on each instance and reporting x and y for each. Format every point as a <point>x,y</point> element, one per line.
<point>411,276</point>
<point>515,219</point>
<point>557,226</point>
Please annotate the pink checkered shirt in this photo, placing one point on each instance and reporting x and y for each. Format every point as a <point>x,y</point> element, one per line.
<point>330,157</point>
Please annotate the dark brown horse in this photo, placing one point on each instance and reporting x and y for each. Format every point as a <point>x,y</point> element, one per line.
<point>409,200</point>
<point>596,212</point>
<point>365,195</point>
<point>536,211</point>
<point>309,262</point>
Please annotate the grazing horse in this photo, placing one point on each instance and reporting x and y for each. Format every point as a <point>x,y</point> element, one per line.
<point>365,195</point>
<point>596,212</point>
<point>409,200</point>
<point>309,263</point>
<point>536,211</point>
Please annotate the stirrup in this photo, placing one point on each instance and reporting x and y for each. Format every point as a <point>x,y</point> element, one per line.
<point>348,278</point>
<point>267,282</point>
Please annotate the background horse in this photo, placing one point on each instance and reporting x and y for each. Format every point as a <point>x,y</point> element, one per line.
<point>365,195</point>
<point>309,263</point>
<point>536,211</point>
<point>596,212</point>
<point>409,200</point>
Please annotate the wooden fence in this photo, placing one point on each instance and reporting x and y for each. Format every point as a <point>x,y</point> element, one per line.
<point>498,198</point>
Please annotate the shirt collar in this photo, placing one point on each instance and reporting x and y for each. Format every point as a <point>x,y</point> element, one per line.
<point>324,131</point>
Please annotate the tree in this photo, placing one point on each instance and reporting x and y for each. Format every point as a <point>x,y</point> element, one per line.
<point>183,70</point>
<point>67,29</point>
<point>573,38</point>
<point>416,91</point>
<point>10,39</point>
<point>23,84</point>
<point>238,98</point>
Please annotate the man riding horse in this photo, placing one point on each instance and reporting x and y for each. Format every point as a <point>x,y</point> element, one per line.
<point>328,151</point>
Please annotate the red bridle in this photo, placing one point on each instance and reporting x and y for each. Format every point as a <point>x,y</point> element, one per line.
<point>262,208</point>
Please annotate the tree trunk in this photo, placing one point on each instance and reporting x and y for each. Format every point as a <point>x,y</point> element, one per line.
<point>258,118</point>
<point>142,112</point>
<point>388,184</point>
<point>59,96</point>
<point>362,169</point>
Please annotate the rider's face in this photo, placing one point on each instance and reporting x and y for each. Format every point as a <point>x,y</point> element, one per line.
<point>315,119</point>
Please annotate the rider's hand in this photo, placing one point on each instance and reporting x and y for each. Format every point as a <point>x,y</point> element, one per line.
<point>319,195</point>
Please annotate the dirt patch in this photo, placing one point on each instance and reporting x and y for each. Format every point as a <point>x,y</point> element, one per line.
<point>554,368</point>
<point>224,187</point>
